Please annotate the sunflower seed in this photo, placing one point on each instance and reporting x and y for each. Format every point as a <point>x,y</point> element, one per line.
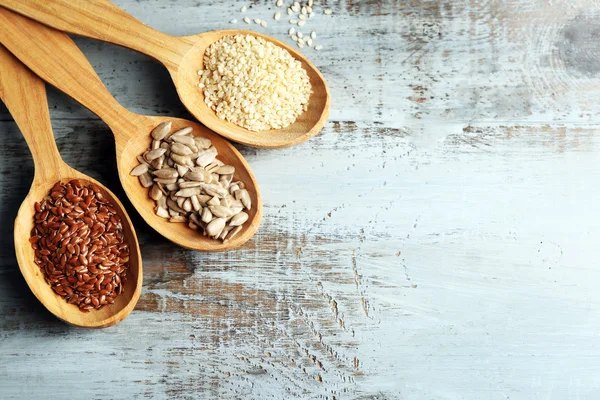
<point>195,203</point>
<point>243,196</point>
<point>238,219</point>
<point>215,226</point>
<point>165,181</point>
<point>182,132</point>
<point>155,192</point>
<point>213,201</point>
<point>171,186</point>
<point>220,211</point>
<point>162,212</point>
<point>182,160</point>
<point>162,202</point>
<point>146,180</point>
<point>173,213</point>
<point>189,184</point>
<point>161,131</point>
<point>166,173</point>
<point>226,169</point>
<point>139,170</point>
<point>187,205</point>
<point>188,192</point>
<point>181,149</point>
<point>155,144</point>
<point>206,157</point>
<point>181,170</point>
<point>225,180</point>
<point>212,167</point>
<point>153,154</point>
<point>158,163</point>
<point>198,174</point>
<point>202,142</point>
<point>173,206</point>
<point>214,190</point>
<point>187,140</point>
<point>206,215</point>
<point>204,199</point>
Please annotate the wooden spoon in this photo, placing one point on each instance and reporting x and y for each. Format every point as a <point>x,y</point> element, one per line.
<point>183,57</point>
<point>56,59</point>
<point>25,96</point>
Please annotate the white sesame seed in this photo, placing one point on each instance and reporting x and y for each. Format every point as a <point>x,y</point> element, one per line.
<point>295,8</point>
<point>309,9</point>
<point>297,4</point>
<point>303,10</point>
<point>263,24</point>
<point>201,85</point>
<point>243,9</point>
<point>247,20</point>
<point>313,35</point>
<point>318,47</point>
<point>243,83</point>
<point>257,21</point>
<point>300,40</point>
<point>292,31</point>
<point>233,21</point>
<point>276,16</point>
<point>308,42</point>
<point>301,23</point>
<point>200,72</point>
<point>294,38</point>
<point>300,34</point>
<point>302,17</point>
<point>279,3</point>
<point>290,11</point>
<point>327,12</point>
<point>301,45</point>
<point>311,14</point>
<point>310,3</point>
<point>293,21</point>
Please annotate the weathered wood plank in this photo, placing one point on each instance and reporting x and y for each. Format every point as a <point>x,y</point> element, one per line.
<point>437,240</point>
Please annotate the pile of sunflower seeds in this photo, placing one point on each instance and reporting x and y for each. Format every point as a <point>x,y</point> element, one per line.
<point>190,185</point>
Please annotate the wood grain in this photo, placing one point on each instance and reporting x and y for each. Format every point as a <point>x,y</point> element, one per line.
<point>447,215</point>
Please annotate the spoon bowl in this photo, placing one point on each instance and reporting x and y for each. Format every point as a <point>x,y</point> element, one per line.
<point>177,232</point>
<point>186,80</point>
<point>183,57</point>
<point>108,315</point>
<point>25,97</point>
<point>54,57</point>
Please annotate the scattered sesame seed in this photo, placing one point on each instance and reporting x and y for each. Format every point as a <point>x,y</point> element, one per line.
<point>257,21</point>
<point>310,3</point>
<point>301,45</point>
<point>290,11</point>
<point>292,31</point>
<point>279,3</point>
<point>276,16</point>
<point>313,35</point>
<point>327,12</point>
<point>303,10</point>
<point>301,23</point>
<point>295,8</point>
<point>302,17</point>
<point>293,21</point>
<point>243,9</point>
<point>300,34</point>
<point>300,40</point>
<point>309,9</point>
<point>199,72</point>
<point>263,24</point>
<point>247,20</point>
<point>294,38</point>
<point>308,42</point>
<point>233,21</point>
<point>318,47</point>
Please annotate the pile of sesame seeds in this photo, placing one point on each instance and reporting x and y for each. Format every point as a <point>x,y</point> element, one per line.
<point>299,15</point>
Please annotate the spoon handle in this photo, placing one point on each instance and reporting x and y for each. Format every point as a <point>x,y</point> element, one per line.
<point>56,58</point>
<point>24,94</point>
<point>102,20</point>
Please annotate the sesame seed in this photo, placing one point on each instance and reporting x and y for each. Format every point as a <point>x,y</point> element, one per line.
<point>302,17</point>
<point>301,45</point>
<point>293,21</point>
<point>247,20</point>
<point>243,9</point>
<point>311,14</point>
<point>257,21</point>
<point>308,42</point>
<point>318,47</point>
<point>294,38</point>
<point>290,11</point>
<point>263,24</point>
<point>279,3</point>
<point>310,3</point>
<point>233,21</point>
<point>313,35</point>
<point>327,12</point>
<point>292,31</point>
<point>300,34</point>
<point>276,16</point>
<point>295,8</point>
<point>301,23</point>
<point>303,10</point>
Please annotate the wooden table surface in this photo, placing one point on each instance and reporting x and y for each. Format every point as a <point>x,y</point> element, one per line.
<point>436,241</point>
